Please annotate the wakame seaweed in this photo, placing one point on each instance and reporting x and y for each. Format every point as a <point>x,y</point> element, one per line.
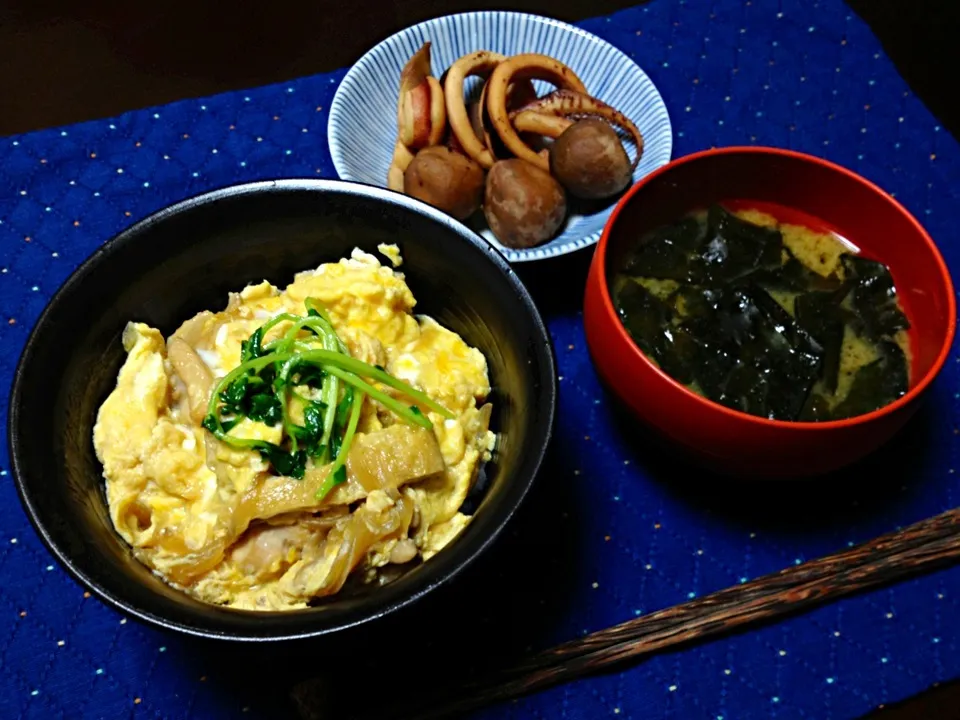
<point>876,384</point>
<point>735,248</point>
<point>648,320</point>
<point>666,255</point>
<point>747,324</point>
<point>873,298</point>
<point>794,275</point>
<point>753,355</point>
<point>821,315</point>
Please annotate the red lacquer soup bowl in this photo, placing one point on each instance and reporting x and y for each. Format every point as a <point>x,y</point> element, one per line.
<point>797,188</point>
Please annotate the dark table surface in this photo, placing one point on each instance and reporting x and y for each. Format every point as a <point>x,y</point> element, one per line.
<point>63,62</point>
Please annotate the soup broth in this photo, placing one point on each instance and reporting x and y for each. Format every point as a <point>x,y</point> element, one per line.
<point>772,319</point>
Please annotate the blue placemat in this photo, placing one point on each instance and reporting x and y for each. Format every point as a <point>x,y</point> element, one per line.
<point>612,531</point>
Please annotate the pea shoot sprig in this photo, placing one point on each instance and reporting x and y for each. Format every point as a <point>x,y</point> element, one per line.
<point>311,366</point>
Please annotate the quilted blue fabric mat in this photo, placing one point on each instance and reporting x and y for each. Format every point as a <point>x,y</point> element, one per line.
<point>612,530</point>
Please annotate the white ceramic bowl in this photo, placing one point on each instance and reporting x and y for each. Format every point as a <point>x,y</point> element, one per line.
<point>362,129</point>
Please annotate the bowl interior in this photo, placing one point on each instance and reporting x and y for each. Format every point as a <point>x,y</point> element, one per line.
<point>362,129</point>
<point>813,192</point>
<point>186,259</point>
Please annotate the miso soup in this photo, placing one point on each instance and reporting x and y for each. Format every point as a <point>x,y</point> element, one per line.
<point>772,319</point>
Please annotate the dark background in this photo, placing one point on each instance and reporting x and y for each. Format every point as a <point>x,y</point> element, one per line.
<point>64,61</point>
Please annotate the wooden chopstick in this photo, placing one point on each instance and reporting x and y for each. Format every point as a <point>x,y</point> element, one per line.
<point>919,548</point>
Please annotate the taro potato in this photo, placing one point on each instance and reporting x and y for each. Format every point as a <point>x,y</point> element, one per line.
<point>445,179</point>
<point>589,160</point>
<point>523,204</point>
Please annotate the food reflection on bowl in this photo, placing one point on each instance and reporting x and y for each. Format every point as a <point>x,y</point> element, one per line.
<point>772,313</point>
<point>175,266</point>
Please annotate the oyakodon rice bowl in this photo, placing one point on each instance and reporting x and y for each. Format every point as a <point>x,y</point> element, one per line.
<point>263,455</point>
<point>188,258</point>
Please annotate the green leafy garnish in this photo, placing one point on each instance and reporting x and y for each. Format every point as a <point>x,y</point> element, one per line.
<point>310,434</point>
<point>252,347</point>
<point>343,407</point>
<point>265,408</point>
<point>308,364</point>
<point>338,473</point>
<point>292,464</point>
<point>335,478</point>
<point>234,395</point>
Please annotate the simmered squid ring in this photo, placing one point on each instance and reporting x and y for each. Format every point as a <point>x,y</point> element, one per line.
<point>479,63</point>
<point>533,66</point>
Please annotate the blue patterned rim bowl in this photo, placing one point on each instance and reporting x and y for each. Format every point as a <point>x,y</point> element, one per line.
<point>362,129</point>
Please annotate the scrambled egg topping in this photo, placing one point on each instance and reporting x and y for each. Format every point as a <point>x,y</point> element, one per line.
<point>215,521</point>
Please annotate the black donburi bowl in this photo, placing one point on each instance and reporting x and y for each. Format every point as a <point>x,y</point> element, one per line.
<point>186,258</point>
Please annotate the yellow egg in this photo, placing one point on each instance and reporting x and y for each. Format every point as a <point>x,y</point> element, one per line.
<point>215,520</point>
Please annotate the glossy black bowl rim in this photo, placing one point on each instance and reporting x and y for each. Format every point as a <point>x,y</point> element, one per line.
<point>469,552</point>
